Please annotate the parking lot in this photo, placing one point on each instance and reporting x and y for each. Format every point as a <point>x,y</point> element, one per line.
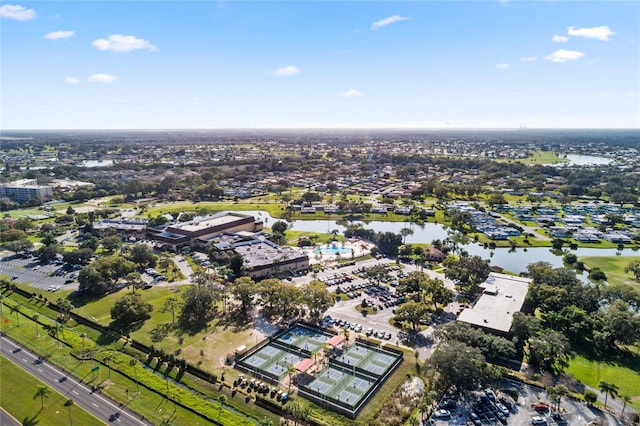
<point>529,409</point>
<point>28,270</point>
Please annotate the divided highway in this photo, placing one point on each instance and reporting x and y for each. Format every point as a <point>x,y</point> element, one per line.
<point>105,409</point>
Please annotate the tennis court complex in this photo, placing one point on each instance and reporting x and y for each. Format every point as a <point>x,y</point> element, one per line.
<point>345,384</point>
<point>272,360</point>
<point>305,338</point>
<point>272,357</point>
<point>367,358</point>
<point>351,377</point>
<point>342,384</point>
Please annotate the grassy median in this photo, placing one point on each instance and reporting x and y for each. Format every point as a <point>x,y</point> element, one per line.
<point>18,397</point>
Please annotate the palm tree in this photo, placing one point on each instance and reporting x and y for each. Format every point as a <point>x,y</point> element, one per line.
<point>42,393</point>
<point>291,370</point>
<point>68,403</point>
<point>404,232</point>
<point>556,393</point>
<point>35,318</point>
<point>625,400</point>
<point>58,327</point>
<point>134,280</point>
<point>65,306</point>
<point>221,401</point>
<point>16,309</point>
<point>133,363</point>
<point>608,389</point>
<point>346,333</point>
<point>83,336</point>
<point>108,359</point>
<point>170,305</point>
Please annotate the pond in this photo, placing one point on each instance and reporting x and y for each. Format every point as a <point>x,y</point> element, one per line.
<point>587,160</point>
<point>511,260</point>
<point>90,164</point>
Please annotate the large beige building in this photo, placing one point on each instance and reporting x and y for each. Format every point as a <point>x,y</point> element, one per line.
<point>196,233</point>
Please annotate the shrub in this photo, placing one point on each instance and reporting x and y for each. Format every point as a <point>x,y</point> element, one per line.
<point>590,396</point>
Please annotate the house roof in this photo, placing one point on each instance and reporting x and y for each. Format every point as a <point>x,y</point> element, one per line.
<point>303,365</point>
<point>336,340</point>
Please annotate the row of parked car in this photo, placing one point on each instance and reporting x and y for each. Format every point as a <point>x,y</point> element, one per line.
<point>491,407</point>
<point>336,279</point>
<point>328,322</point>
<point>261,388</point>
<point>155,274</point>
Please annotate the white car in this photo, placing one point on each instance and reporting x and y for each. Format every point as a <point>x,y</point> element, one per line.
<point>442,414</point>
<point>53,288</point>
<point>537,420</point>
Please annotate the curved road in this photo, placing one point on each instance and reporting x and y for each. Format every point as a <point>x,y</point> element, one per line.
<point>105,409</point>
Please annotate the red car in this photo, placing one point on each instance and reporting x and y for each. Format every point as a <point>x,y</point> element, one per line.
<point>541,406</point>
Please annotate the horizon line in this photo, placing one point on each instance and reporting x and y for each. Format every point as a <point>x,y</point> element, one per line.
<point>312,128</point>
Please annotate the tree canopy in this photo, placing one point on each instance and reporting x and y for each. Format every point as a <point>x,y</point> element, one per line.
<point>130,310</point>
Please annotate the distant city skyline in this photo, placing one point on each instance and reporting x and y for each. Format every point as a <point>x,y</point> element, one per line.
<point>312,64</point>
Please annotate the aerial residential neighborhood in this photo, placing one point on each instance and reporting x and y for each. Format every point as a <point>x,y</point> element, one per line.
<point>325,282</point>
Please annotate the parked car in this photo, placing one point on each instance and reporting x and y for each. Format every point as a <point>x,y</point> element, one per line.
<point>473,418</point>
<point>541,407</point>
<point>503,409</point>
<point>447,404</point>
<point>537,420</point>
<point>442,414</point>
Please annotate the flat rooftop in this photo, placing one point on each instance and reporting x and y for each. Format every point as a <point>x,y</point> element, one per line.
<point>503,296</point>
<point>207,222</point>
<point>261,252</point>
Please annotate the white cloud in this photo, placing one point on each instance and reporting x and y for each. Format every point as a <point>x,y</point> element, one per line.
<point>17,12</point>
<point>351,93</point>
<point>502,66</point>
<point>285,71</point>
<point>529,58</point>
<point>387,21</point>
<point>599,33</point>
<point>122,43</point>
<point>563,55</point>
<point>56,35</point>
<point>101,78</point>
<point>560,39</point>
<point>71,80</point>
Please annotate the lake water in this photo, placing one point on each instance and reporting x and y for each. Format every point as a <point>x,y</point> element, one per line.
<point>511,260</point>
<point>587,160</point>
<point>97,163</point>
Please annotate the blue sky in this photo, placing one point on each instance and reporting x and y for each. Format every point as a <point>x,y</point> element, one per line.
<point>255,64</point>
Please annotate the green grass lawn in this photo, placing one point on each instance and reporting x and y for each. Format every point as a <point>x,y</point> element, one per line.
<point>274,209</point>
<point>99,310</point>
<point>591,372</point>
<point>540,157</point>
<point>156,408</point>
<point>613,266</point>
<point>17,390</point>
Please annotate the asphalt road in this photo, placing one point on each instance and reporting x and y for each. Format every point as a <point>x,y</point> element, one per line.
<point>6,419</point>
<point>105,409</point>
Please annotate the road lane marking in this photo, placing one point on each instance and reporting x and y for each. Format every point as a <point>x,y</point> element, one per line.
<point>24,360</point>
<point>75,392</point>
<point>40,370</point>
<point>95,405</point>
